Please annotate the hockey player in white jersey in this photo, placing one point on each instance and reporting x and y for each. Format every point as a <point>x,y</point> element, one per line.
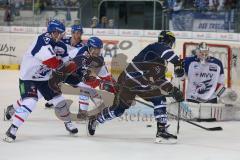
<point>205,76</point>
<point>72,42</point>
<point>36,68</point>
<point>61,49</point>
<point>75,40</point>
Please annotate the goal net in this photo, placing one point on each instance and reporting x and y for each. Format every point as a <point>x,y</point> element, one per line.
<point>230,61</point>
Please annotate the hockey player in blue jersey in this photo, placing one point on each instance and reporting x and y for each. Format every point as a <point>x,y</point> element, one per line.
<point>205,76</point>
<point>145,77</point>
<point>102,78</point>
<point>36,68</point>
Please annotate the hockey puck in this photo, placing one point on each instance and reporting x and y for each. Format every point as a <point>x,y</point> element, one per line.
<point>149,125</point>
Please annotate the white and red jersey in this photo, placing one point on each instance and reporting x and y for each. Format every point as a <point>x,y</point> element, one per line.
<point>203,78</point>
<point>40,51</point>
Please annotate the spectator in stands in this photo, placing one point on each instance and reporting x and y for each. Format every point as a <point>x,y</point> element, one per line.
<point>188,4</point>
<point>94,22</point>
<point>171,4</point>
<point>59,3</point>
<point>177,5</point>
<point>8,14</point>
<point>201,5</point>
<point>230,4</point>
<point>104,22</point>
<point>213,5</point>
<point>111,24</point>
<point>77,22</point>
<point>168,4</point>
<point>216,5</point>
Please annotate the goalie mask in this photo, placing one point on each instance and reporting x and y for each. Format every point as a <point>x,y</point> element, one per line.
<point>202,51</point>
<point>167,37</point>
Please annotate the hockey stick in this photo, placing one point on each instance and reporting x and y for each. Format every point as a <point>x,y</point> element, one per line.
<point>185,120</point>
<point>179,111</point>
<point>178,118</point>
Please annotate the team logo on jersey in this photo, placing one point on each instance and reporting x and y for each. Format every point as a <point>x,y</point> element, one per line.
<point>195,66</point>
<point>206,75</point>
<point>46,40</point>
<point>203,86</point>
<point>213,68</point>
<point>59,50</point>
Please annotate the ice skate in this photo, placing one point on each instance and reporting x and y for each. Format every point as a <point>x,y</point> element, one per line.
<point>91,127</point>
<point>9,112</point>
<point>48,105</point>
<point>70,127</point>
<point>163,136</point>
<point>10,134</point>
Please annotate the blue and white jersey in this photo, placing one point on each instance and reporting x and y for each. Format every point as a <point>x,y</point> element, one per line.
<point>67,41</point>
<point>151,62</point>
<point>42,49</point>
<point>61,51</point>
<point>203,77</point>
<point>156,51</point>
<point>81,51</point>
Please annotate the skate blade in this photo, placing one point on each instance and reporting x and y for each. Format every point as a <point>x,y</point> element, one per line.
<point>8,139</point>
<point>165,141</point>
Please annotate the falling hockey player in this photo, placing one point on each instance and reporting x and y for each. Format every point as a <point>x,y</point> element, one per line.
<point>145,77</point>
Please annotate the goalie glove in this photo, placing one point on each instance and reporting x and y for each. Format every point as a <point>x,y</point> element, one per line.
<point>229,97</point>
<point>179,69</point>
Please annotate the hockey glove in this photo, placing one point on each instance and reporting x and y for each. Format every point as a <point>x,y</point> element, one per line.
<point>108,84</point>
<point>177,94</point>
<point>92,81</point>
<point>179,69</point>
<point>96,62</point>
<point>60,75</point>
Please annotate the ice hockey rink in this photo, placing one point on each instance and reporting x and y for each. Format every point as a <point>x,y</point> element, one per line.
<point>43,137</point>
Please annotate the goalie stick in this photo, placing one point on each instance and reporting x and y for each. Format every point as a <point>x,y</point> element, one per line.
<point>185,120</point>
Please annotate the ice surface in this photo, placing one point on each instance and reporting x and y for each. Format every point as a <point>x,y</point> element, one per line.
<point>43,137</point>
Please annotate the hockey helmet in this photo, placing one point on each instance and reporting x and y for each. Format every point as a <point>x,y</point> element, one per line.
<point>95,42</point>
<point>202,51</point>
<point>55,25</point>
<point>167,37</point>
<point>77,28</point>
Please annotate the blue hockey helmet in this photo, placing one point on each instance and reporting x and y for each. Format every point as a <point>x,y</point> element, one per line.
<point>95,42</point>
<point>55,25</point>
<point>76,28</point>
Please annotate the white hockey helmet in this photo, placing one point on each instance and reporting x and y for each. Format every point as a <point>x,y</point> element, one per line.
<point>202,51</point>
